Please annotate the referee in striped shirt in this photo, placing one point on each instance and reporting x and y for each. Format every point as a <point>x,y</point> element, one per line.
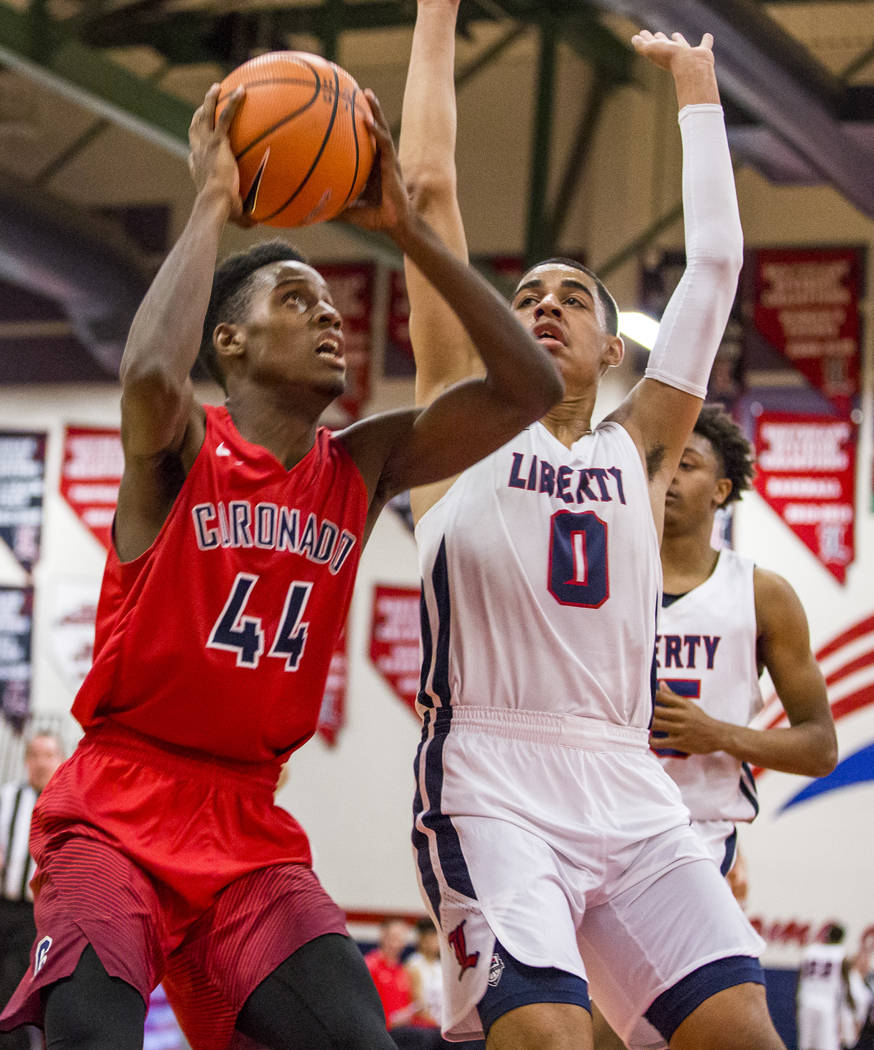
<point>17,930</point>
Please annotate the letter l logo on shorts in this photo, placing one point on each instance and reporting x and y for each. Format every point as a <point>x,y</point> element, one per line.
<point>459,946</point>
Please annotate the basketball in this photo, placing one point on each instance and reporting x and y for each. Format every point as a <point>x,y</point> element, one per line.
<point>300,137</point>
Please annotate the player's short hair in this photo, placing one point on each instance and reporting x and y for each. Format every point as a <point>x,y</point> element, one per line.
<point>425,926</point>
<point>231,291</point>
<point>734,452</point>
<point>608,303</point>
<point>834,933</point>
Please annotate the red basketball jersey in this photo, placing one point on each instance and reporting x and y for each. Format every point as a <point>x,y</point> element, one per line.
<point>219,637</point>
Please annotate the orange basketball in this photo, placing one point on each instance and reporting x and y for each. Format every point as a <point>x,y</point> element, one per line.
<point>300,137</point>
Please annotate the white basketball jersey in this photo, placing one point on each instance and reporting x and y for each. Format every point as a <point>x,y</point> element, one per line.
<point>541,579</point>
<point>706,650</point>
<point>820,978</point>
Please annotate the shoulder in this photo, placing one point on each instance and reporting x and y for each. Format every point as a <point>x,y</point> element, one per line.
<point>778,607</point>
<point>772,588</point>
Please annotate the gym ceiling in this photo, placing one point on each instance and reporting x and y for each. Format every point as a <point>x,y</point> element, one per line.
<point>79,78</point>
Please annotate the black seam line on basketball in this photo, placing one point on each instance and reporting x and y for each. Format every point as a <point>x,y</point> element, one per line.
<point>357,151</point>
<point>285,119</point>
<point>251,201</point>
<point>327,136</point>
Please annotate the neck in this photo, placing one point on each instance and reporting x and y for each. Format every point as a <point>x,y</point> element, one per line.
<point>687,558</point>
<point>276,420</point>
<point>571,419</point>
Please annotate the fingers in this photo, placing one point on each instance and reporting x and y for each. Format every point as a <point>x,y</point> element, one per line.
<point>379,127</point>
<point>230,111</point>
<point>644,37</point>
<point>209,104</point>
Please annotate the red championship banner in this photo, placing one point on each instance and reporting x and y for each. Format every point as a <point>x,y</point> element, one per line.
<point>807,308</point>
<point>805,469</point>
<point>90,474</point>
<point>332,715</point>
<point>398,349</point>
<point>351,287</point>
<point>394,639</point>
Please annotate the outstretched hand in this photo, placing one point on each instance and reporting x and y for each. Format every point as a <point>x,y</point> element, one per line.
<point>211,160</point>
<point>664,51</point>
<point>384,203</point>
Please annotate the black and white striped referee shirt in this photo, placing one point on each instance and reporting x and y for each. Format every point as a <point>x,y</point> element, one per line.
<point>17,800</point>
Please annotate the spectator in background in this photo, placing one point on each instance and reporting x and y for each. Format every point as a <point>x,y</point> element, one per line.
<point>823,988</point>
<point>42,757</point>
<point>389,976</point>
<point>426,980</point>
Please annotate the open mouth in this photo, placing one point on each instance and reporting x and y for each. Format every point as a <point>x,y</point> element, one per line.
<point>330,348</point>
<point>548,333</point>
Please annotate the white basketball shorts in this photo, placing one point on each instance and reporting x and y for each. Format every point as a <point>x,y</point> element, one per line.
<point>564,839</point>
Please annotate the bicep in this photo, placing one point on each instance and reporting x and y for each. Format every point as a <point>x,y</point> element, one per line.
<point>784,642</point>
<point>442,349</point>
<point>149,486</point>
<point>659,419</point>
<point>155,413</point>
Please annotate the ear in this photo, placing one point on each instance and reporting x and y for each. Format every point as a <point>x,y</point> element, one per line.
<point>614,352</point>
<point>721,491</point>
<point>228,340</point>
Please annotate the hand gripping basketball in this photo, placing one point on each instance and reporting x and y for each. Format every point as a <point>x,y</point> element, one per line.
<point>300,137</point>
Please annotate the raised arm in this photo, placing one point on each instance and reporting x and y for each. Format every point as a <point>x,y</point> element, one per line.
<point>442,350</point>
<point>808,745</point>
<point>661,410</point>
<point>161,427</point>
<point>472,417</point>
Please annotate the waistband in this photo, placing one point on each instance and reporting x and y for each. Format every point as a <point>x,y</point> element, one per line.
<point>542,727</point>
<point>112,738</point>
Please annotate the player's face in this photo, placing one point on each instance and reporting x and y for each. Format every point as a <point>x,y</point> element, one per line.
<point>293,331</point>
<point>560,306</point>
<point>42,759</point>
<point>697,489</point>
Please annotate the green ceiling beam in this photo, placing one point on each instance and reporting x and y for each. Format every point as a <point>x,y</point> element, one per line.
<point>48,53</point>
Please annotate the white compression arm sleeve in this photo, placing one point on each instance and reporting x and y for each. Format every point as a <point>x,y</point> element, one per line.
<point>695,318</point>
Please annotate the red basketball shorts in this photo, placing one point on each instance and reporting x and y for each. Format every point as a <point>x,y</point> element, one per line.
<point>205,888</point>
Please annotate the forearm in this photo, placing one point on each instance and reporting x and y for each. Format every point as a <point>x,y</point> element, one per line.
<point>516,365</point>
<point>694,320</point>
<point>165,335</point>
<point>805,749</point>
<point>426,147</point>
<point>427,153</point>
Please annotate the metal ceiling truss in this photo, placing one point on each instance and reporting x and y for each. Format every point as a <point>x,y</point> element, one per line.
<point>765,72</point>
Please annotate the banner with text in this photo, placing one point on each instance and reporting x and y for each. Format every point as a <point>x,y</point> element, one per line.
<point>332,714</point>
<point>805,470</point>
<point>16,629</point>
<point>22,484</point>
<point>394,640</point>
<point>351,287</point>
<point>504,270</point>
<point>806,306</point>
<point>90,474</point>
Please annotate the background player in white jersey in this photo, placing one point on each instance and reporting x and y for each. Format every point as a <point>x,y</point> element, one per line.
<point>823,989</point>
<point>553,850</point>
<point>723,620</point>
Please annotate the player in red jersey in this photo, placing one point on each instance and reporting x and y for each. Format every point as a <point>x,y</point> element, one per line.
<point>237,535</point>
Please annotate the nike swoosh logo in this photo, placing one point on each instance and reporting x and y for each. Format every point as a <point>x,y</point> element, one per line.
<point>222,449</point>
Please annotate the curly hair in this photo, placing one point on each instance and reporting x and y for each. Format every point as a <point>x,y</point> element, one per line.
<point>231,292</point>
<point>734,452</point>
